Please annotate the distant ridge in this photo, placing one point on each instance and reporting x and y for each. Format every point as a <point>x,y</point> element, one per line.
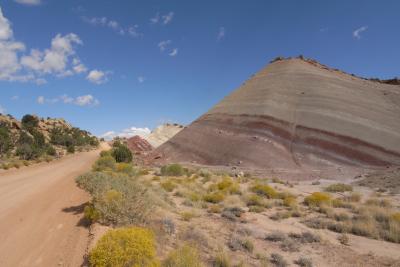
<point>292,113</point>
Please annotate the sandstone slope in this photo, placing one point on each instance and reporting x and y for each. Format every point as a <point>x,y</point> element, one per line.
<point>293,113</point>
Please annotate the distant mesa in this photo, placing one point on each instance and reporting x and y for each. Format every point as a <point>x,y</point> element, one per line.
<point>293,113</point>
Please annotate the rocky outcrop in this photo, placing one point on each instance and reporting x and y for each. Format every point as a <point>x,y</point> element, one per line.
<point>296,112</point>
<point>138,145</point>
<point>163,133</point>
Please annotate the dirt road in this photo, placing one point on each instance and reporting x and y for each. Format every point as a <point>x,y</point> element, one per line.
<point>41,213</point>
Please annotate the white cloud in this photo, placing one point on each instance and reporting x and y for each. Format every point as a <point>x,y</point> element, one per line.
<point>97,77</point>
<point>84,100</point>
<point>114,25</point>
<point>174,52</point>
<point>16,65</point>
<point>141,79</point>
<point>15,97</point>
<point>129,132</point>
<point>221,33</point>
<point>155,19</point>
<point>29,2</point>
<point>163,45</point>
<point>167,18</point>
<point>41,100</point>
<point>2,110</point>
<point>164,19</point>
<point>357,32</point>
<point>54,60</point>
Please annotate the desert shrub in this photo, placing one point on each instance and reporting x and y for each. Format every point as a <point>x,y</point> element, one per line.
<point>5,140</point>
<point>16,165</point>
<point>343,239</point>
<point>187,215</point>
<point>214,209</point>
<point>122,153</point>
<point>184,256</point>
<point>256,209</point>
<point>341,203</point>
<point>338,188</point>
<point>168,185</point>
<point>316,223</point>
<point>90,213</point>
<point>214,197</point>
<point>50,150</point>
<point>305,237</point>
<point>248,245</point>
<point>254,200</point>
<point>123,247</point>
<point>264,190</point>
<point>221,260</point>
<point>378,202</point>
<point>304,262</point>
<point>27,151</point>
<point>276,236</point>
<point>232,213</point>
<point>105,153</point>
<point>228,185</point>
<point>26,163</point>
<point>71,149</point>
<point>289,201</point>
<point>172,170</point>
<point>317,199</point>
<point>280,215</point>
<point>289,245</point>
<point>119,199</point>
<point>364,226</point>
<point>29,121</point>
<point>278,260</point>
<point>124,167</point>
<point>104,163</point>
<point>353,197</point>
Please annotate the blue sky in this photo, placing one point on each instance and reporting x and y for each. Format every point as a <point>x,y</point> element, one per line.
<point>112,65</point>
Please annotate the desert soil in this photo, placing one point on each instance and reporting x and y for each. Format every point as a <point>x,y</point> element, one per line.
<point>41,213</point>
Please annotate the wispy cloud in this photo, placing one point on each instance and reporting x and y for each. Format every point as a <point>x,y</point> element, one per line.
<point>164,19</point>
<point>163,45</point>
<point>174,52</point>
<point>29,2</point>
<point>132,30</point>
<point>357,32</point>
<point>84,100</point>
<point>15,97</point>
<point>167,18</point>
<point>221,33</point>
<point>129,132</point>
<point>141,79</point>
<point>97,76</point>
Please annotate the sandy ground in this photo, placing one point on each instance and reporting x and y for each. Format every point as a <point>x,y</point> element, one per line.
<point>41,213</point>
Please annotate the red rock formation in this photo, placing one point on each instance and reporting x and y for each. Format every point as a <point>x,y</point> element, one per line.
<point>295,112</point>
<point>138,145</point>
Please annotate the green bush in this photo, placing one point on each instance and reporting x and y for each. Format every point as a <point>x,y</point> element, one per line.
<point>124,167</point>
<point>105,163</point>
<point>318,199</point>
<point>124,247</point>
<point>339,188</point>
<point>50,150</point>
<point>185,256</point>
<point>27,151</point>
<point>122,153</point>
<point>5,140</point>
<point>105,153</point>
<point>264,190</point>
<point>119,199</point>
<point>172,170</point>
<point>29,121</point>
<point>71,149</point>
<point>215,197</point>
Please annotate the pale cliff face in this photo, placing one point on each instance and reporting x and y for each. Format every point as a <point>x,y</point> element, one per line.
<point>162,134</point>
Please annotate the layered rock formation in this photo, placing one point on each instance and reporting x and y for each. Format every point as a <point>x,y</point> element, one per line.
<point>138,145</point>
<point>295,112</point>
<point>163,133</point>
